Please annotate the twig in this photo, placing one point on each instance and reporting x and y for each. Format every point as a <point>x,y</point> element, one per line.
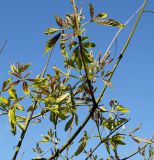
<point>124,49</point>
<point>133,154</point>
<point>103,140</point>
<point>18,146</point>
<point>3,47</point>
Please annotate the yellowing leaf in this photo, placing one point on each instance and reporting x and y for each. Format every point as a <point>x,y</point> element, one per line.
<point>100,15</point>
<point>60,99</point>
<point>122,109</point>
<point>50,31</point>
<point>89,45</point>
<point>25,88</point>
<point>5,84</point>
<point>12,120</point>
<point>139,140</point>
<point>110,22</point>
<point>4,100</point>
<point>52,42</point>
<point>13,93</point>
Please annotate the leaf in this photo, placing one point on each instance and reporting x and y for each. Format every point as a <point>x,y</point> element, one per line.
<point>110,22</point>
<point>108,74</point>
<point>50,31</point>
<point>52,42</point>
<point>23,67</point>
<point>63,97</point>
<point>4,100</point>
<point>89,45</point>
<point>139,140</point>
<point>25,88</point>
<point>12,120</point>
<point>6,83</point>
<point>122,109</point>
<point>100,15</point>
<point>59,20</point>
<point>72,44</point>
<point>13,93</point>
<point>76,119</point>
<point>63,50</point>
<point>20,107</point>
<point>108,83</point>
<point>91,8</point>
<point>69,123</point>
<point>14,83</point>
<point>81,146</point>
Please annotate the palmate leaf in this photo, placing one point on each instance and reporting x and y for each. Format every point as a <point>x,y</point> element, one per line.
<point>12,120</point>
<point>52,42</point>
<point>110,22</point>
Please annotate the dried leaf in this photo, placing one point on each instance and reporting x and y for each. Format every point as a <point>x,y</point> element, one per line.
<point>108,83</point>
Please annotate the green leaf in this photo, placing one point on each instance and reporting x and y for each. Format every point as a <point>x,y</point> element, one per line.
<point>91,8</point>
<point>25,88</point>
<point>110,22</point>
<point>13,93</point>
<point>100,15</point>
<point>122,109</point>
<point>88,57</point>
<point>12,119</point>
<point>69,123</point>
<point>89,45</point>
<point>50,31</point>
<point>52,42</point>
<point>62,98</point>
<point>81,146</point>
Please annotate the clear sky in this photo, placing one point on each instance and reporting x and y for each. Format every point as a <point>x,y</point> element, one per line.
<point>22,24</point>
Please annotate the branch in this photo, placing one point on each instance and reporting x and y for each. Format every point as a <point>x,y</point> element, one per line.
<point>18,146</point>
<point>104,89</point>
<point>124,49</point>
<point>103,140</point>
<point>133,154</point>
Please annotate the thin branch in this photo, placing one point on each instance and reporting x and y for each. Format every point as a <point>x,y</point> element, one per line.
<point>124,49</point>
<point>18,146</point>
<point>136,152</point>
<point>103,140</point>
<point>3,47</point>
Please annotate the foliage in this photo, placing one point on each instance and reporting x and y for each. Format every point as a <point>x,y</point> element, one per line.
<point>57,97</point>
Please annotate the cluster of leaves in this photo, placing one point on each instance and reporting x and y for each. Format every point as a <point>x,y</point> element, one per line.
<point>57,97</point>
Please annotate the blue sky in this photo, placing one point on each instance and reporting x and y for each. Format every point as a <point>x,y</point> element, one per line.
<point>23,24</point>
